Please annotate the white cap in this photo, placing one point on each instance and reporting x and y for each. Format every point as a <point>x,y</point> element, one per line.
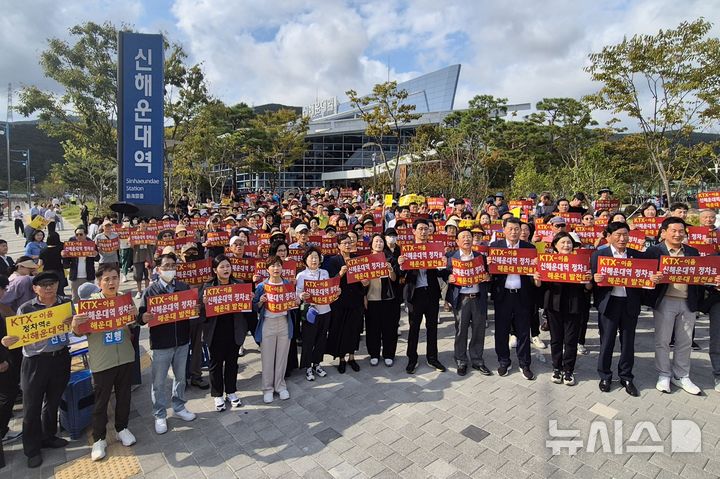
<point>301,227</point>
<point>234,239</point>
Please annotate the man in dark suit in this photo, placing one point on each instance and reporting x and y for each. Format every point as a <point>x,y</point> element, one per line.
<point>514,298</point>
<point>6,262</point>
<point>675,308</point>
<point>618,309</point>
<point>469,304</point>
<point>422,296</point>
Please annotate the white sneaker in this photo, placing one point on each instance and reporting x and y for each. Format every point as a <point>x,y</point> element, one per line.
<point>98,450</point>
<point>268,397</point>
<point>219,404</point>
<point>284,394</point>
<point>126,437</point>
<point>513,341</point>
<point>717,384</point>
<point>234,400</point>
<point>138,295</point>
<point>663,384</point>
<point>309,375</point>
<point>241,351</point>
<point>687,385</point>
<point>538,343</point>
<point>582,349</point>
<point>161,426</point>
<point>374,361</point>
<point>388,362</point>
<point>185,415</point>
<point>319,371</point>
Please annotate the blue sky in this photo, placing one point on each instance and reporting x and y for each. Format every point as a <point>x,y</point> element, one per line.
<point>289,51</point>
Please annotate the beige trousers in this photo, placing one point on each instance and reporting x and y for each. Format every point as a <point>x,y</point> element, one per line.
<point>274,353</point>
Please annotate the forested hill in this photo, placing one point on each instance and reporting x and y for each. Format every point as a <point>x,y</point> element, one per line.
<point>44,151</point>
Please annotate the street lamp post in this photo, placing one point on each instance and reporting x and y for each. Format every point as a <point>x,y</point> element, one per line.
<point>6,133</point>
<point>26,154</point>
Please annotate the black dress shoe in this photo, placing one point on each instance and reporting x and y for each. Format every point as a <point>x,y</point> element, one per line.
<point>34,461</point>
<point>462,369</point>
<point>630,388</point>
<point>200,383</point>
<point>434,363</point>
<point>354,365</point>
<point>411,367</point>
<point>605,385</point>
<point>341,366</point>
<point>54,442</point>
<point>483,369</point>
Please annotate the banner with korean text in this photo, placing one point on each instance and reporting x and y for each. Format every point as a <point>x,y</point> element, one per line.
<point>195,272</point>
<point>79,249</point>
<point>708,199</point>
<point>563,268</point>
<point>628,272</point>
<point>107,246</point>
<point>280,297</point>
<point>468,273</point>
<point>371,266</point>
<point>172,307</point>
<point>232,298</point>
<point>34,327</point>
<point>322,291</point>
<point>512,260</point>
<point>106,314</point>
<point>700,270</point>
<point>423,256</point>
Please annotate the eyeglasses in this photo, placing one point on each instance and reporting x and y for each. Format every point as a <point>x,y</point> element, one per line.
<point>47,285</point>
<point>560,225</point>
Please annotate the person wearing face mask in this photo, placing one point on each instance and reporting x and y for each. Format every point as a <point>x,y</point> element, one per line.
<point>169,344</point>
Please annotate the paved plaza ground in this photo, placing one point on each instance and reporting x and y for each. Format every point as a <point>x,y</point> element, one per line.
<point>381,422</point>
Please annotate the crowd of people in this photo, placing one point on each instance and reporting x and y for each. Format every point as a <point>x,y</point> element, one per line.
<point>315,236</point>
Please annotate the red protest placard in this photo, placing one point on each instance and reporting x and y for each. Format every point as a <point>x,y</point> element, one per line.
<point>296,254</point>
<point>167,224</point>
<point>469,272</point>
<point>706,249</point>
<point>512,260</point>
<point>79,249</point>
<point>571,218</point>
<point>527,205</point>
<point>289,270</point>
<point>195,272</point>
<point>162,244</point>
<point>636,240</point>
<point>323,291</point>
<point>371,266</point>
<point>708,199</point>
<point>423,256</point>
<point>232,298</point>
<point>405,237</point>
<point>436,204</point>
<point>106,314</point>
<point>628,272</point>
<point>329,246</point>
<point>315,240</point>
<point>123,233</point>
<point>172,307</point>
<point>481,248</point>
<point>588,234</point>
<point>180,242</point>
<point>610,205</point>
<point>198,222</point>
<point>280,297</point>
<point>138,238</point>
<point>443,238</point>
<point>378,216</point>
<point>243,268</point>
<point>690,269</point>
<point>563,268</point>
<point>699,235</point>
<point>649,226</point>
<point>107,246</point>
<point>217,238</point>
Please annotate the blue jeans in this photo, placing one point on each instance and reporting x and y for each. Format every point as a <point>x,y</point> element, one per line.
<point>162,359</point>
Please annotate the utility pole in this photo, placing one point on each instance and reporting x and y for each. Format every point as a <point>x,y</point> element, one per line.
<point>8,120</point>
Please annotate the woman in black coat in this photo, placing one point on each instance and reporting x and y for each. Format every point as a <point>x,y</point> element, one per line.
<point>225,335</point>
<point>380,322</point>
<point>563,303</point>
<point>347,311</point>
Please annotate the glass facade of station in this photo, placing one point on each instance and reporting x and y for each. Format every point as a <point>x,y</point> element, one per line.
<point>335,141</point>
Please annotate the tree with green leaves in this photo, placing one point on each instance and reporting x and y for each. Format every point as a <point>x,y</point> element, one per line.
<point>669,83</point>
<point>385,112</point>
<point>84,116</point>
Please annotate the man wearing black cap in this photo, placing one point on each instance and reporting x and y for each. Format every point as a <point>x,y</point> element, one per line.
<point>500,203</point>
<point>44,374</point>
